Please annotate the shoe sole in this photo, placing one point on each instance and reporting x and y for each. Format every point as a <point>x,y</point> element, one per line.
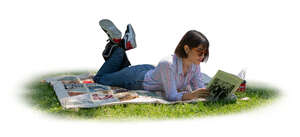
<point>109,27</point>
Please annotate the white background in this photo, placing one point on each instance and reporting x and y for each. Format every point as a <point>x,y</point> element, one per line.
<point>41,37</point>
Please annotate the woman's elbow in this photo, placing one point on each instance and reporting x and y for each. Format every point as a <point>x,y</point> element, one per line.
<point>172,98</point>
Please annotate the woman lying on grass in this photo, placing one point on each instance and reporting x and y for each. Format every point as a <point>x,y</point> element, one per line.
<point>172,74</point>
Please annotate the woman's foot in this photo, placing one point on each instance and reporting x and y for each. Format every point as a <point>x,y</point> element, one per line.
<point>128,41</point>
<point>111,30</point>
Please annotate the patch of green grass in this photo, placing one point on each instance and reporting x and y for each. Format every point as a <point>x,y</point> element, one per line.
<point>42,97</point>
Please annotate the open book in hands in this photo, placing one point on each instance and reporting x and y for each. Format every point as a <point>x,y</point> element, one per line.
<point>222,85</point>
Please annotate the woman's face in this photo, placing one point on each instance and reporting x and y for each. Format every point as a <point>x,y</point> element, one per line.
<point>196,55</point>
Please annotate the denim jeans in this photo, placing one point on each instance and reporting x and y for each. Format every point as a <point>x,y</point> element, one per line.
<point>112,73</point>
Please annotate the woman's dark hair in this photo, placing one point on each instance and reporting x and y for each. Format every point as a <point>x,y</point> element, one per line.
<point>193,39</point>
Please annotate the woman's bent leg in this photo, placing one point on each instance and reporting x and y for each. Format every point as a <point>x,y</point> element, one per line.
<point>129,77</point>
<point>113,64</point>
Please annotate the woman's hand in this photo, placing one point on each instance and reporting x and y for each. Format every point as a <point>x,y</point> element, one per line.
<point>198,93</point>
<point>201,92</point>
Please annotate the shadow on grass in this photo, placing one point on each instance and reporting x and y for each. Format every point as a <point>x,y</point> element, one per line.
<point>253,92</point>
<point>262,92</point>
<point>42,96</point>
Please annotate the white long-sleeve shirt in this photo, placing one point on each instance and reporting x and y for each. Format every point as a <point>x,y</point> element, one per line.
<point>169,77</point>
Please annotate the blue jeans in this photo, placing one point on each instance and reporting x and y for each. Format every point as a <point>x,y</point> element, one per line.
<point>112,73</point>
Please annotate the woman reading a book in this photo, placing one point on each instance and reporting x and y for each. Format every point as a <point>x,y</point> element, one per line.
<point>172,75</point>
